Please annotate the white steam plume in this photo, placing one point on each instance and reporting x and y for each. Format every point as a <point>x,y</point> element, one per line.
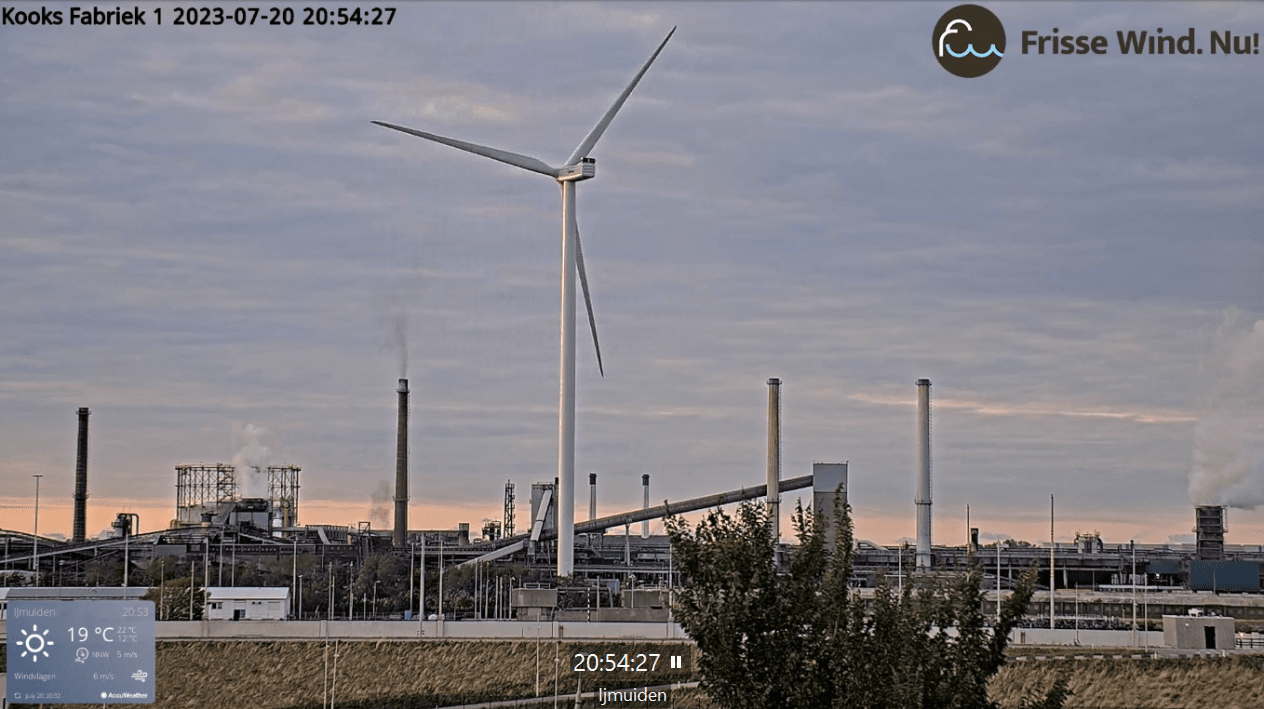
<point>251,461</point>
<point>380,507</point>
<point>1228,466</point>
<point>396,341</point>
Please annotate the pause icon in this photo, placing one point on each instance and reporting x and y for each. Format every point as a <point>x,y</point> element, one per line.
<point>676,663</point>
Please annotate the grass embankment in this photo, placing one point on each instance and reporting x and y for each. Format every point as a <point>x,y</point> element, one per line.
<point>1072,651</point>
<point>373,674</point>
<point>416,675</point>
<point>1224,683</point>
<point>1228,683</point>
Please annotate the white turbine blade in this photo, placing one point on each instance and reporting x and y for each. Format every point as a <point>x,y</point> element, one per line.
<point>587,146</point>
<point>522,161</point>
<point>583,282</point>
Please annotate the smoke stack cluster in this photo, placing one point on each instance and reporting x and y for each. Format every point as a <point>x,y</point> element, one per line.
<point>774,457</point>
<point>81,479</point>
<point>923,474</point>
<point>401,468</point>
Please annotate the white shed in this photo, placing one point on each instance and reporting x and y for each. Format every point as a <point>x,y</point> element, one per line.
<point>247,603</point>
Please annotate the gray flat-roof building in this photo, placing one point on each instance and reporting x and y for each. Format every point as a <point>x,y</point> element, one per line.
<point>1199,632</point>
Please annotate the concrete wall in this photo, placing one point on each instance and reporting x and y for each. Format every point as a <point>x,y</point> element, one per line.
<point>410,630</point>
<point>643,598</point>
<point>614,615</point>
<point>533,603</point>
<point>511,629</point>
<point>1087,638</point>
<point>1189,632</point>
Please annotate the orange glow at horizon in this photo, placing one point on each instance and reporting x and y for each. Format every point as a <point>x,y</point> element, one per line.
<point>56,517</point>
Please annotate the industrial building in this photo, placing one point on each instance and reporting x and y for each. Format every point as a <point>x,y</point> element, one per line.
<point>249,603</point>
<point>219,539</point>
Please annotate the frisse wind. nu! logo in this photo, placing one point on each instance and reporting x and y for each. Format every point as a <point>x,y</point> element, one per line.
<point>969,41</point>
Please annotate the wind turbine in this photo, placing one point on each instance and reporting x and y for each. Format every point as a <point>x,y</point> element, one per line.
<point>578,167</point>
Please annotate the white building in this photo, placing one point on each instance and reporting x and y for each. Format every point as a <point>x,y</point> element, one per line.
<point>247,603</point>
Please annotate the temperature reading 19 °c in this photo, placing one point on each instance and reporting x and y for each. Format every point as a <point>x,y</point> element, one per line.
<point>110,634</point>
<point>82,651</point>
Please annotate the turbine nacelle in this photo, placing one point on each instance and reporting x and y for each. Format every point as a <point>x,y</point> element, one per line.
<point>585,169</point>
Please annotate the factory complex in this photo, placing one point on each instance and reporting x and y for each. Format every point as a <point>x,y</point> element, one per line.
<point>253,556</point>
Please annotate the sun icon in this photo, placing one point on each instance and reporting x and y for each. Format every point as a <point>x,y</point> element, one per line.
<point>34,643</point>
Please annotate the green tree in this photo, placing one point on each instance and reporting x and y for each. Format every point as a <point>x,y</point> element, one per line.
<point>171,600</point>
<point>804,638</point>
<point>13,579</point>
<point>106,570</point>
<point>385,577</point>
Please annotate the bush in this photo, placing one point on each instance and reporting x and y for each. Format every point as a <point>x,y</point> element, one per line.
<point>803,638</point>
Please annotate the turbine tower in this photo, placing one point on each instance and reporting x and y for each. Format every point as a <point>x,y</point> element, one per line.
<point>578,167</point>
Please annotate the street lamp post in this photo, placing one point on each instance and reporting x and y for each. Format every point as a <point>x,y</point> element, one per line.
<point>127,540</point>
<point>162,589</point>
<point>998,581</point>
<point>375,583</point>
<point>300,596</point>
<point>1133,583</point>
<point>899,568</point>
<point>1145,611</point>
<point>35,536</point>
<point>412,572</point>
<point>192,585</point>
<point>1077,613</point>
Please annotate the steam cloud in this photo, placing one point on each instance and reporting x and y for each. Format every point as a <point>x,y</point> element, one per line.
<point>380,508</point>
<point>1228,461</point>
<point>251,460</point>
<point>397,342</point>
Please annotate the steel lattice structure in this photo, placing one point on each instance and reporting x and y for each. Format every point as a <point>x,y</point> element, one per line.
<point>202,488</point>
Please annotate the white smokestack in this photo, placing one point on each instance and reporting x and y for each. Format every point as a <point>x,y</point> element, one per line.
<point>592,496</point>
<point>645,526</point>
<point>923,474</point>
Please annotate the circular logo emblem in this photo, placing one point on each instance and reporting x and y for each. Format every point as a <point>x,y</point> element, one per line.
<point>969,41</point>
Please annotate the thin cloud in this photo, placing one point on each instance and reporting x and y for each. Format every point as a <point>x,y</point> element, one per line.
<point>994,409</point>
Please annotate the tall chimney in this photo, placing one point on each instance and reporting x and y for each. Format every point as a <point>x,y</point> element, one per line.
<point>401,468</point>
<point>592,496</point>
<point>645,485</point>
<point>81,478</point>
<point>923,474</point>
<point>774,458</point>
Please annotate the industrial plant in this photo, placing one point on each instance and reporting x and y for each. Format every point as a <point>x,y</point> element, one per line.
<point>219,538</point>
<point>237,525</point>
